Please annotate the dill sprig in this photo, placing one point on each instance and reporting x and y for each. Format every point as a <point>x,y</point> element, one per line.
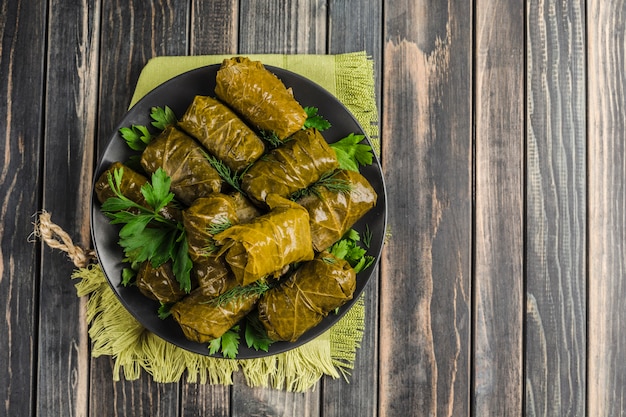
<point>231,178</point>
<point>328,181</point>
<point>257,287</point>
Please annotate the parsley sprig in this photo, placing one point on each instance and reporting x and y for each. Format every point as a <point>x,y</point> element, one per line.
<point>228,343</point>
<point>137,137</point>
<point>315,120</point>
<point>348,248</point>
<point>351,153</point>
<point>146,235</point>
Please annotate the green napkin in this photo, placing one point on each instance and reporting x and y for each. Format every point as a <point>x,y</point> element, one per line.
<point>114,332</point>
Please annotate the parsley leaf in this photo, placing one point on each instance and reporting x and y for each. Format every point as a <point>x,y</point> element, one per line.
<point>163,117</point>
<point>228,343</point>
<point>351,153</point>
<point>146,235</point>
<point>137,137</point>
<point>256,336</point>
<point>347,248</point>
<point>314,120</point>
<point>164,311</point>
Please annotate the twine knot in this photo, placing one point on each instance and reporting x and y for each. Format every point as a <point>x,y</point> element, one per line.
<point>57,238</point>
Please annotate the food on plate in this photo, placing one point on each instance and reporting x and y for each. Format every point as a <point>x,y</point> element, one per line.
<point>185,162</point>
<point>267,244</point>
<point>204,318</point>
<point>130,185</point>
<point>316,288</point>
<point>333,211</point>
<point>259,96</point>
<point>233,226</point>
<point>222,132</point>
<point>295,165</point>
<point>159,283</point>
<point>206,217</point>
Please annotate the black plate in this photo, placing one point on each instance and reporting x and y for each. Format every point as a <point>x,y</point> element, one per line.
<point>178,93</point>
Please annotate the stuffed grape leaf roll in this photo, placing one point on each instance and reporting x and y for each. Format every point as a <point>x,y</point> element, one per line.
<point>130,187</point>
<point>295,165</point>
<point>206,217</point>
<point>184,160</point>
<point>222,132</point>
<point>259,96</point>
<point>267,244</point>
<point>214,276</point>
<point>203,318</point>
<point>315,289</point>
<point>333,212</point>
<point>159,283</point>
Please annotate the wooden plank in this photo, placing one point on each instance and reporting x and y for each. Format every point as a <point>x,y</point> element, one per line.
<point>282,26</point>
<point>607,207</point>
<point>279,27</point>
<point>132,33</point>
<point>556,210</point>
<point>214,27</point>
<point>355,26</point>
<point>69,139</point>
<point>499,241</point>
<point>22,58</point>
<point>207,37</point>
<point>425,298</point>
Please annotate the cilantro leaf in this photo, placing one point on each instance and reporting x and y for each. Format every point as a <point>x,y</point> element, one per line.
<point>163,117</point>
<point>137,137</point>
<point>314,120</point>
<point>351,153</point>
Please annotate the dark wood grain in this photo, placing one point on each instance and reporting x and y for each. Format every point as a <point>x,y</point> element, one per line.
<point>427,146</point>
<point>282,26</point>
<point>69,138</point>
<point>556,211</point>
<point>22,27</point>
<point>131,34</point>
<point>499,241</point>
<point>607,208</point>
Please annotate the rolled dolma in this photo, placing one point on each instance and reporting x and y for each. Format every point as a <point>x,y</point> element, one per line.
<point>214,276</point>
<point>159,283</point>
<point>222,132</point>
<point>246,211</point>
<point>130,187</point>
<point>202,318</point>
<point>203,218</point>
<point>259,96</point>
<point>333,212</point>
<point>301,161</point>
<point>267,244</point>
<point>184,161</point>
<point>305,298</point>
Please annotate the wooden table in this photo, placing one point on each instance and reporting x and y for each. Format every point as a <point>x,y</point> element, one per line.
<point>502,123</point>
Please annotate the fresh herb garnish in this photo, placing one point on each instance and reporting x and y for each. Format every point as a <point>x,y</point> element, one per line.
<point>164,311</point>
<point>351,153</point>
<point>230,178</point>
<point>215,228</point>
<point>348,249</point>
<point>257,287</point>
<point>328,181</point>
<point>315,120</point>
<point>256,336</point>
<point>138,137</point>
<point>146,234</point>
<point>271,138</point>
<point>228,343</point>
<point>163,117</point>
